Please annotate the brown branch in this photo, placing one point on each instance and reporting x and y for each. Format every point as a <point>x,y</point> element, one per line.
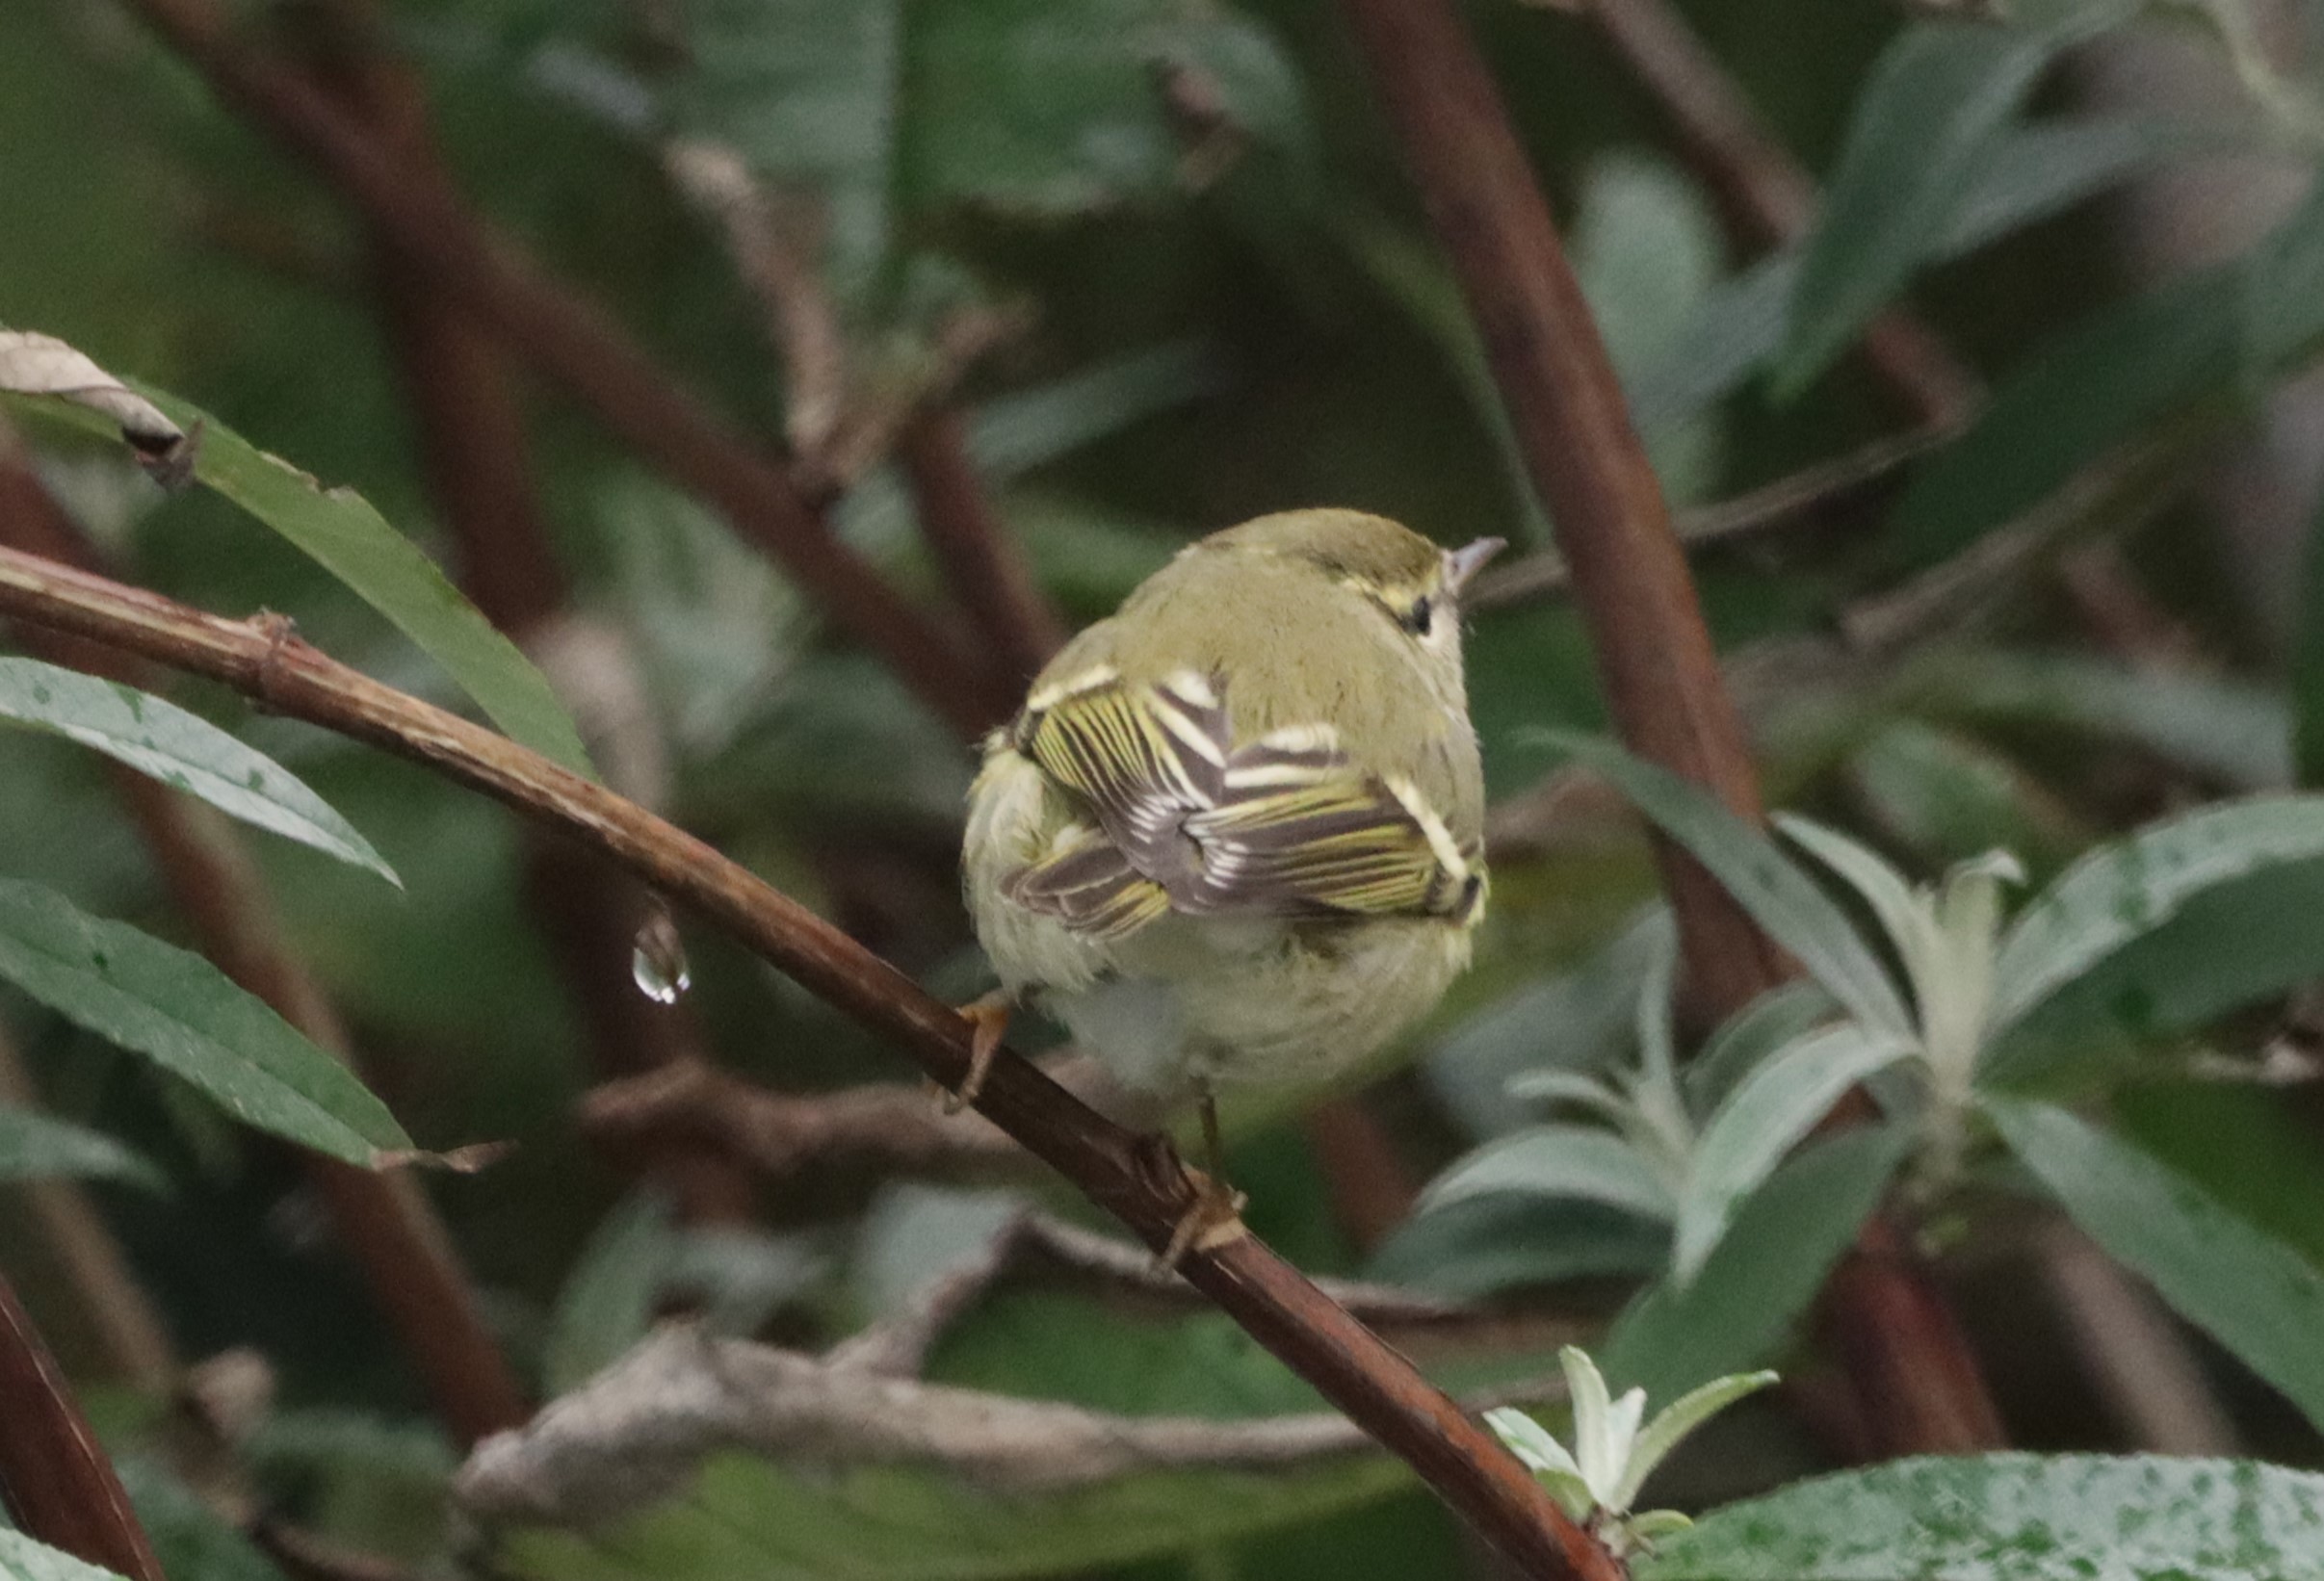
<point>58,1485</point>
<point>1764,194</point>
<point>577,346</point>
<point>387,1223</point>
<point>1139,1180</point>
<point>877,1130</point>
<point>634,1435</point>
<point>979,557</point>
<point>1654,652</point>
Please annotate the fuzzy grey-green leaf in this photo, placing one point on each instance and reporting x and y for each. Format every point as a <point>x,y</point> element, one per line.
<point>21,1558</point>
<point>2016,1517</point>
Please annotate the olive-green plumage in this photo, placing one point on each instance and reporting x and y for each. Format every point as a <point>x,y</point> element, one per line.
<point>1234,835</point>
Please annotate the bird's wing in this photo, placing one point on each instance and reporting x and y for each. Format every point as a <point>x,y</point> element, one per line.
<point>1187,821</point>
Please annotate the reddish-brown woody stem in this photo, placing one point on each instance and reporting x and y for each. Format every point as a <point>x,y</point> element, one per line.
<point>1654,651</point>
<point>55,1479</point>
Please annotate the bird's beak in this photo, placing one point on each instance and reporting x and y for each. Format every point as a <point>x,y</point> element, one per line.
<point>1460,564</point>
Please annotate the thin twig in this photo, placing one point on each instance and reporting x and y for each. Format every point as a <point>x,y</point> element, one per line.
<point>871,1130</point>
<point>1654,652</point>
<point>634,1435</point>
<point>980,560</point>
<point>55,1480</point>
<point>1767,199</point>
<point>1808,494</point>
<point>386,1222</point>
<point>576,344</point>
<point>1139,1180</point>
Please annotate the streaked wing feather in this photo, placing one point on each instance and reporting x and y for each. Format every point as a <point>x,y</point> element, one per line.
<point>1091,885</point>
<point>1285,826</point>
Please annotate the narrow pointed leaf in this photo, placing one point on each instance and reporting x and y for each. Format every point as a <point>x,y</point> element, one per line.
<point>1593,1410</point>
<point>1766,1269</point>
<point>2128,889</point>
<point>1932,111</point>
<point>1764,882</point>
<point>1906,916</point>
<point>2250,1291</point>
<point>1768,1114</point>
<point>180,1012</point>
<point>34,1146</point>
<point>1769,1023</point>
<point>340,531</point>
<point>1555,1160</point>
<point>1530,1442</point>
<point>1674,1422</point>
<point>183,750</point>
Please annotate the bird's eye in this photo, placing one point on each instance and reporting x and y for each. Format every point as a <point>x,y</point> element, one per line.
<point>1418,619</point>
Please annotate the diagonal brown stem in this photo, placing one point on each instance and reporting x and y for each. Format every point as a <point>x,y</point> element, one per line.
<point>1654,651</point>
<point>58,1485</point>
<point>1139,1180</point>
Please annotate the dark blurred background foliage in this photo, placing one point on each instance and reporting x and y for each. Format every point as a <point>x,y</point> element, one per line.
<point>1215,298</point>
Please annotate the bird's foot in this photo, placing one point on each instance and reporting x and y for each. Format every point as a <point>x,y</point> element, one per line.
<point>988,1021</point>
<point>1213,1220</point>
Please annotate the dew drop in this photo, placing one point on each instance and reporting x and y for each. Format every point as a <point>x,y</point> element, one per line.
<point>658,960</point>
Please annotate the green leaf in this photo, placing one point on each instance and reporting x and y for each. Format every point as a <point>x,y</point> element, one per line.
<point>2248,1291</point>
<point>1764,882</point>
<point>2080,394</point>
<point>33,1146</point>
<point>2213,334</point>
<point>1764,1273</point>
<point>192,1542</point>
<point>886,115</point>
<point>1555,1160</point>
<point>2025,1517</point>
<point>1768,1112</point>
<point>182,750</point>
<point>2032,172</point>
<point>347,537</point>
<point>1769,1023</point>
<point>1675,1422</point>
<point>21,1558</point>
<point>1646,248</point>
<point>1490,1244</point>
<point>179,1011</point>
<point>2250,1147</point>
<point>1931,112</point>
<point>2242,942</point>
<point>607,1301</point>
<point>743,1517</point>
<point>2227,730</point>
<point>2128,888</point>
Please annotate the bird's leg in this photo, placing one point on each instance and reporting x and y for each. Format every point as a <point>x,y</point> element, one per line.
<point>1215,1215</point>
<point>988,1018</point>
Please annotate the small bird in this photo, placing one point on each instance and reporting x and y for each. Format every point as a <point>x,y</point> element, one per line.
<point>1234,835</point>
